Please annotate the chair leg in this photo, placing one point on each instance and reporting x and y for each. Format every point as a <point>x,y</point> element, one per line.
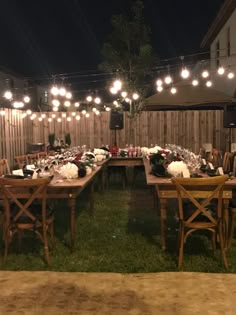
<point>232,227</point>
<point>181,247</point>
<point>222,245</point>
<point>45,242</point>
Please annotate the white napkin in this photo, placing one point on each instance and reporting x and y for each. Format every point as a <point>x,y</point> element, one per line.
<point>18,172</point>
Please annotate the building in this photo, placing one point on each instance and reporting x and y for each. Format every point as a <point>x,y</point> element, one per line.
<point>221,40</point>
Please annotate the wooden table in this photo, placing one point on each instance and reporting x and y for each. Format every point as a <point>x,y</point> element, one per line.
<point>165,190</point>
<point>70,189</point>
<point>125,161</point>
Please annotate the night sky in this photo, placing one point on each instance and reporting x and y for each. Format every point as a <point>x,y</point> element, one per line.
<point>63,36</point>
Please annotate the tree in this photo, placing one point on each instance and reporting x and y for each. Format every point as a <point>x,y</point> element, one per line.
<point>128,50</point>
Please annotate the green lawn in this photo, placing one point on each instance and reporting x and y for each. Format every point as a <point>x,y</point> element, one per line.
<point>123,235</point>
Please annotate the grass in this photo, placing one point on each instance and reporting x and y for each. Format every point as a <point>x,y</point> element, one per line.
<point>123,235</point>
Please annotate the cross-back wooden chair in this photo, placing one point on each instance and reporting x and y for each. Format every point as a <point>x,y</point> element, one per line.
<point>216,157</point>
<point>33,158</point>
<point>4,167</point>
<point>200,217</point>
<point>21,160</point>
<point>232,210</point>
<point>25,208</point>
<point>227,162</point>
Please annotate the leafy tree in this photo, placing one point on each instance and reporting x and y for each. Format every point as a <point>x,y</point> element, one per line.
<point>128,50</point>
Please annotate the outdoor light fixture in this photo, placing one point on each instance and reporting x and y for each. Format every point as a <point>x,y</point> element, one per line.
<point>135,96</point>
<point>205,74</point>
<point>221,70</point>
<point>195,82</point>
<point>89,98</point>
<point>209,83</point>
<point>124,94</point>
<point>8,95</point>
<point>160,88</point>
<point>230,75</point>
<point>159,82</point>
<point>97,100</point>
<point>173,90</point>
<point>168,79</point>
<point>185,73</point>
<point>77,104</point>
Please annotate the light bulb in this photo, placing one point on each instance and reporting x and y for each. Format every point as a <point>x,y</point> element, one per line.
<point>26,99</point>
<point>185,73</point>
<point>113,90</point>
<point>68,95</point>
<point>67,103</point>
<point>89,98</point>
<point>54,90</point>
<point>97,100</point>
<point>168,79</point>
<point>124,94</point>
<point>77,117</point>
<point>8,95</point>
<point>221,70</point>
<point>195,82</point>
<point>29,112</point>
<point>159,88</point>
<point>205,74</point>
<point>173,90</point>
<point>230,75</point>
<point>77,104</point>
<point>209,83</point>
<point>135,96</point>
<point>117,85</point>
<point>55,102</point>
<point>159,82</point>
<point>62,91</point>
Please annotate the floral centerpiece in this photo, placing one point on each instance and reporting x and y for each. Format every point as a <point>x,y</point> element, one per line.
<point>172,160</point>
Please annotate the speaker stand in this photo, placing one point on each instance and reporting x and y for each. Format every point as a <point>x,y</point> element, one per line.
<point>230,139</point>
<point>115,140</point>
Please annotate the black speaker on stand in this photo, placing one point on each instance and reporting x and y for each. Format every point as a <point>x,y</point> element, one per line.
<point>230,122</point>
<point>116,120</point>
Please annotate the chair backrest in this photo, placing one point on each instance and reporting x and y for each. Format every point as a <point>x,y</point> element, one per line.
<point>22,193</point>
<point>4,167</point>
<point>200,192</point>
<point>32,158</point>
<point>227,162</point>
<point>21,160</point>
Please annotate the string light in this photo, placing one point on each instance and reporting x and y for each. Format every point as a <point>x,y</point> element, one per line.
<point>195,82</point>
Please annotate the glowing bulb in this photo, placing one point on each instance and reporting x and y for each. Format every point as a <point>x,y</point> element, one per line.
<point>159,82</point>
<point>29,112</point>
<point>205,74</point>
<point>89,98</point>
<point>2,112</point>
<point>195,82</point>
<point>127,100</point>
<point>135,96</point>
<point>26,99</point>
<point>77,104</point>
<point>94,109</point>
<point>208,83</point>
<point>117,85</point>
<point>173,90</point>
<point>55,109</point>
<point>16,104</point>
<point>40,119</point>
<point>83,112</point>
<point>115,103</point>
<point>230,75</point>
<point>43,115</point>
<point>113,90</point>
<point>77,117</point>
<point>108,109</point>
<point>124,94</point>
<point>23,115</point>
<point>168,79</point>
<point>54,90</point>
<point>68,95</point>
<point>8,95</point>
<point>67,103</point>
<point>62,91</point>
<point>87,115</point>
<point>159,88</point>
<point>185,73</point>
<point>49,119</point>
<point>221,70</point>
<point>53,115</point>
<point>97,100</point>
<point>55,102</point>
<point>97,112</point>
<point>68,118</point>
<point>59,119</point>
<point>63,115</point>
<point>21,104</point>
<point>73,114</point>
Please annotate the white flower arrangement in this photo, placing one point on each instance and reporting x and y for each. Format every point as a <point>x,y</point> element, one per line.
<point>69,171</point>
<point>177,168</point>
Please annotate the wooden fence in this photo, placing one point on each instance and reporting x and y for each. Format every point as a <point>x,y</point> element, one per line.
<point>189,129</point>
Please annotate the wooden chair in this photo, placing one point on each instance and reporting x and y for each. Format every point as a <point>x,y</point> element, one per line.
<point>33,158</point>
<point>216,157</point>
<point>4,167</point>
<point>227,162</point>
<point>232,211</point>
<point>21,160</point>
<point>25,208</point>
<point>200,217</point>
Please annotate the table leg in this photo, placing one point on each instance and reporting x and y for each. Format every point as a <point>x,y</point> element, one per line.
<point>72,203</point>
<point>226,221</point>
<point>163,205</point>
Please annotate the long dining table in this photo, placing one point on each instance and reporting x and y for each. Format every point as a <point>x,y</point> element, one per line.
<point>70,189</point>
<point>165,189</point>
